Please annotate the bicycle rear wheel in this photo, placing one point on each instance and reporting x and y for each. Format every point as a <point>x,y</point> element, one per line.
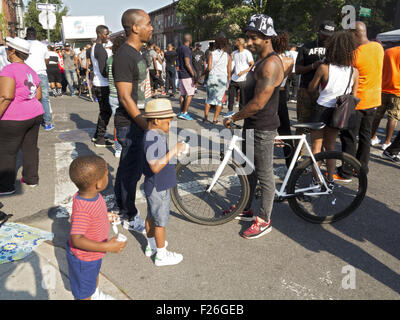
<point>344,199</point>
<point>226,200</point>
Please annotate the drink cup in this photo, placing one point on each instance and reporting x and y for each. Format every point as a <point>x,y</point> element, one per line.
<point>122,238</point>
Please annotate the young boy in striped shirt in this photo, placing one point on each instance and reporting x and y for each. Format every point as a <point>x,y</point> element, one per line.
<point>90,224</point>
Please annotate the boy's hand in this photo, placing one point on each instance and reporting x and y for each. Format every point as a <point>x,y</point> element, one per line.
<point>181,146</point>
<point>115,246</point>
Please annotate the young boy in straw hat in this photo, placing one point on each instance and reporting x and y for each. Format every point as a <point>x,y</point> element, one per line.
<point>160,177</point>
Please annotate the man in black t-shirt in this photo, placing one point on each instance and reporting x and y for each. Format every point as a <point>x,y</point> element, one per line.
<point>170,67</point>
<point>311,56</point>
<point>132,81</point>
<point>199,63</point>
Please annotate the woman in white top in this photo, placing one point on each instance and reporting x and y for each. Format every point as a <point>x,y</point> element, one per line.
<point>333,78</point>
<point>219,75</point>
<point>281,44</point>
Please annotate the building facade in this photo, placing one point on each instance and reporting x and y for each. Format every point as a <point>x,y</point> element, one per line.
<point>11,18</point>
<point>168,27</point>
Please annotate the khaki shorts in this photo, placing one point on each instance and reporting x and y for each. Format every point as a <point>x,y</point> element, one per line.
<point>391,104</point>
<point>306,103</point>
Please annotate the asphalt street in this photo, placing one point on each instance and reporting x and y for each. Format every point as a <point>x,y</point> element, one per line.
<point>356,258</point>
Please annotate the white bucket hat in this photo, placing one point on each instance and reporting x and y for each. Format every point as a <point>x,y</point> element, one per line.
<point>18,44</point>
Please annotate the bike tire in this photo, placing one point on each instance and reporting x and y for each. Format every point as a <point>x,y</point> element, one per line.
<point>360,181</point>
<point>215,217</point>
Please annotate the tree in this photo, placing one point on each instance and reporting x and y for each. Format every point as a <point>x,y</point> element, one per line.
<point>32,20</point>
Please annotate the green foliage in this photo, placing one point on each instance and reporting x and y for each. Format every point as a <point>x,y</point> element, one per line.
<point>3,26</point>
<point>32,20</point>
<point>301,18</point>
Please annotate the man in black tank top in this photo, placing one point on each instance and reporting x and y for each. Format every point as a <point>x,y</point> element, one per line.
<point>261,119</point>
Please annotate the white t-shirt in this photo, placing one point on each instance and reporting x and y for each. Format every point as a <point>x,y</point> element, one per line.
<point>37,55</point>
<point>241,62</point>
<point>293,55</point>
<point>3,57</point>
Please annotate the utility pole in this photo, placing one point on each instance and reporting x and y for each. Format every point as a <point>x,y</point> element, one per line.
<point>48,30</point>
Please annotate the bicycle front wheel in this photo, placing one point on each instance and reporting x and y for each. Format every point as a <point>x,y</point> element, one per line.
<point>225,201</point>
<point>344,197</point>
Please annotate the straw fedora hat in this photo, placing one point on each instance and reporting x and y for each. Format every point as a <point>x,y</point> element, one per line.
<point>158,109</point>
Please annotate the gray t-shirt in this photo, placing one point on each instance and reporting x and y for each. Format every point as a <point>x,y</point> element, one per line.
<point>153,55</point>
<point>69,61</point>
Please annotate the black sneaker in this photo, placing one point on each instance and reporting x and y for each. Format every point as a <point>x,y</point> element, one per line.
<point>393,157</point>
<point>103,143</point>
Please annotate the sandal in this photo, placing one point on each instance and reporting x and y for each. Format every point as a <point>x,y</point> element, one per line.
<point>217,122</point>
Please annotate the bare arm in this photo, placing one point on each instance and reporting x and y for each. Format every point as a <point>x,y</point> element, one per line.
<point>189,67</point>
<point>268,78</point>
<point>82,243</point>
<point>157,165</point>
<point>229,69</point>
<point>247,70</point>
<point>313,86</point>
<point>39,92</point>
<point>356,77</point>
<point>124,93</point>
<point>7,93</point>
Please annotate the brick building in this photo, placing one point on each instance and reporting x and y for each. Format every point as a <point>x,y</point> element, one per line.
<point>11,18</point>
<point>168,28</point>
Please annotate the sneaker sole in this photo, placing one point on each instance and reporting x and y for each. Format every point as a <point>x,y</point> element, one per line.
<point>7,193</point>
<point>159,264</point>
<point>244,218</point>
<point>103,145</point>
<point>384,156</point>
<point>268,230</point>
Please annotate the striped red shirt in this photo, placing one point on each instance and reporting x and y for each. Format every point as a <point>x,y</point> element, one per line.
<point>89,219</point>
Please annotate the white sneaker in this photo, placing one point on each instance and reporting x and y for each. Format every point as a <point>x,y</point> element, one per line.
<point>385,146</point>
<point>98,295</point>
<point>170,258</point>
<point>150,252</point>
<point>117,154</point>
<point>137,224</point>
<point>375,141</point>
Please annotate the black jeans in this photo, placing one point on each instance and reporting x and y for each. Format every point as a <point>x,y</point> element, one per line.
<point>103,96</point>
<point>156,82</point>
<point>130,168</point>
<point>260,146</point>
<point>394,148</point>
<point>284,129</point>
<point>170,76</point>
<point>363,130</point>
<point>233,88</point>
<point>15,135</point>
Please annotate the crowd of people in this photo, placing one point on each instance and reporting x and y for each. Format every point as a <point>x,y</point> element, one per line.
<point>131,81</point>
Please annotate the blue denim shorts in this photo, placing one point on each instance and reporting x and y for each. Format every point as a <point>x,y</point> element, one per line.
<point>82,275</point>
<point>158,207</point>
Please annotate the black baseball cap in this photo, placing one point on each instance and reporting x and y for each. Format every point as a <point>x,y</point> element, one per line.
<point>327,28</point>
<point>261,23</point>
<point>67,44</point>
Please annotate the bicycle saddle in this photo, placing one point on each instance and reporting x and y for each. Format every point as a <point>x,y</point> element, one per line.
<point>312,125</point>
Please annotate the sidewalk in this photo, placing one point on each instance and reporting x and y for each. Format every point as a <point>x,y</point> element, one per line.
<point>43,275</point>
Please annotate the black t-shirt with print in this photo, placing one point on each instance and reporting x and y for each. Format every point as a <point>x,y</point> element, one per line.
<point>308,54</point>
<point>130,66</point>
<point>198,60</point>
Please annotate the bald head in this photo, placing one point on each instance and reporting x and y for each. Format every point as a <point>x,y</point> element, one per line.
<point>130,18</point>
<point>360,33</point>
<point>187,38</point>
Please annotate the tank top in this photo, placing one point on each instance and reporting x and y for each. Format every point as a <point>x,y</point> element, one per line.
<point>283,84</point>
<point>337,83</point>
<point>266,119</point>
<point>219,63</point>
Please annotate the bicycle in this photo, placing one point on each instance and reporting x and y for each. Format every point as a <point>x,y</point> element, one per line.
<point>213,189</point>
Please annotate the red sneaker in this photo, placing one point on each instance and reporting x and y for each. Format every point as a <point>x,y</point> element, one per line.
<point>257,229</point>
<point>244,216</point>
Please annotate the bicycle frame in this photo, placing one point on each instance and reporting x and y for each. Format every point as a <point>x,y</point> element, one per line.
<point>281,194</point>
